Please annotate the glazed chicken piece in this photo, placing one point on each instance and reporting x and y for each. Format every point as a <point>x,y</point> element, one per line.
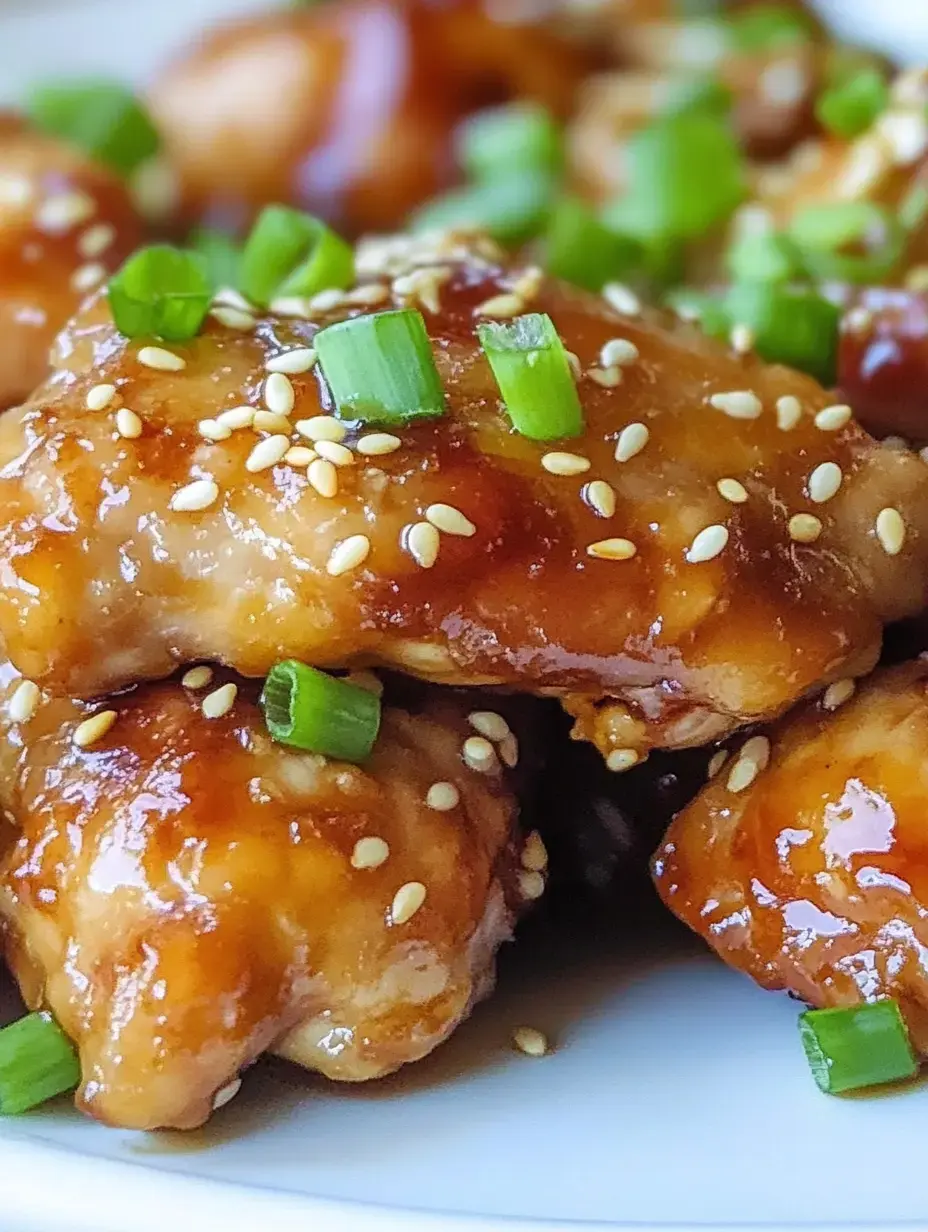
<point>185,894</point>
<point>752,553</point>
<point>812,876</point>
<point>345,109</point>
<point>64,223</point>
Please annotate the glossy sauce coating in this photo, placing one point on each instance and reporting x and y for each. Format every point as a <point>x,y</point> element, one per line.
<point>883,361</point>
<point>185,894</point>
<point>814,878</point>
<point>104,582</point>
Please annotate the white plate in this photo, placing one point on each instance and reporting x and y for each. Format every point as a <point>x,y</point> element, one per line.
<point>677,1094</point>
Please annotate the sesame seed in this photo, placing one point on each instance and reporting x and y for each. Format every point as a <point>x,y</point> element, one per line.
<point>291,306</point>
<point>804,527</point>
<point>88,276</point>
<point>742,339</point>
<point>500,306</point>
<point>369,853</point>
<point>99,397</point>
<point>528,284</point>
<point>573,362</point>
<point>231,298</point>
<point>407,901</point>
<point>618,352</point>
<point>611,549</point>
<point>607,377</point>
<point>267,453</point>
<point>707,544</point>
<point>197,677</point>
<point>372,293</point>
<point>325,301</point>
<point>64,211</point>
<point>858,321</point>
<point>531,1041</point>
<point>738,404</point>
<point>621,298</point>
<point>833,418</point>
<point>338,455</point>
<point>490,724</point>
<point>195,496</point>
<point>348,554</point>
<point>377,443</point>
<point>300,455</point>
<point>716,762</point>
<point>236,417</point>
<point>422,284</point>
<point>534,855</point>
<point>24,702</point>
<point>632,439</point>
<point>155,189</point>
<point>531,884</point>
<point>323,477</point>
<point>128,424</point>
<point>218,703</point>
<point>226,1094</point>
<point>838,693</point>
<point>422,543</point>
<point>321,428</point>
<point>279,395</point>
<point>561,463</point>
<point>160,359</point>
<point>93,729</point>
<point>906,133</point>
<point>213,430</point>
<point>751,760</point>
<point>450,520</point>
<point>300,359</point>
<point>509,751</point>
<point>890,530</point>
<point>95,240</point>
<point>442,797</point>
<point>789,412</point>
<point>732,490</point>
<point>15,191</point>
<point>620,760</point>
<point>233,318</point>
<point>824,482</point>
<point>600,496</point>
<point>479,754</point>
<point>270,421</point>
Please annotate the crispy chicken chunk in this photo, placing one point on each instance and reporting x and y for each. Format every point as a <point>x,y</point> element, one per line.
<point>734,556</point>
<point>812,876</point>
<point>185,894</point>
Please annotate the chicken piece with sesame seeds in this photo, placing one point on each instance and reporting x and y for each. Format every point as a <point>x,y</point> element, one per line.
<point>65,222</point>
<point>803,863</point>
<point>665,610</point>
<point>185,895</point>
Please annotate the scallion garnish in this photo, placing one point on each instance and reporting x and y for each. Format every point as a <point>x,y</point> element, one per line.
<point>765,257</point>
<point>857,1046</point>
<point>534,377</point>
<point>512,208</point>
<point>503,140</point>
<point>312,710</point>
<point>768,28</point>
<point>289,253</point>
<point>223,256</point>
<point>791,325</point>
<point>699,93</point>
<point>582,250</point>
<point>101,117</point>
<point>380,367</point>
<point>37,1062</point>
<point>847,241</point>
<point>849,107</point>
<point>161,292</point>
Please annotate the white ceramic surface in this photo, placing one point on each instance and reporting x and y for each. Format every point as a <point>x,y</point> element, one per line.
<point>678,1094</point>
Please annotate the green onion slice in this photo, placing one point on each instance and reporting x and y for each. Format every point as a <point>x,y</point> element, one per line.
<point>311,710</point>
<point>766,257</point>
<point>791,325</point>
<point>289,253</point>
<point>222,255</point>
<point>847,241</point>
<point>380,368</point>
<point>534,378</point>
<point>161,291</point>
<point>582,250</point>
<point>856,1046</point>
<point>849,107</point>
<point>511,208</point>
<point>768,28</point>
<point>698,93</point>
<point>101,117</point>
<point>37,1062</point>
<point>502,140</point>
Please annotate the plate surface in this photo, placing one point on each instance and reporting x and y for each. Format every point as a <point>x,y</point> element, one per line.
<point>677,1094</point>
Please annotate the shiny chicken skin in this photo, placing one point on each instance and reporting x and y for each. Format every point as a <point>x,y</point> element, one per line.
<point>345,109</point>
<point>686,610</point>
<point>65,222</point>
<point>812,878</point>
<point>185,894</point>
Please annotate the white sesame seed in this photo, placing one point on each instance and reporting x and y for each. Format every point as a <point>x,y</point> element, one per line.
<point>24,702</point>
<point>279,395</point>
<point>609,378</point>
<point>348,555</point>
<point>99,397</point>
<point>528,284</point>
<point>804,527</point>
<point>500,306</point>
<point>442,797</point>
<point>573,362</point>
<point>407,901</point>
<point>292,306</point>
<point>300,359</point>
<point>906,133</point>
<point>128,424</point>
<point>632,439</point>
<point>530,1041</point>
<point>857,321</point>
<point>321,428</point>
<point>195,496</point>
<point>231,298</point>
<point>838,693</point>
<point>160,359</point>
<point>422,543</point>
<point>226,1094</point>
<point>742,339</point>
<point>789,412</point>
<point>372,293</point>
<point>611,549</point>
<point>600,496</point>
<point>716,762</point>
<point>620,760</point>
<point>323,477</point>
<point>236,417</point>
<point>509,750</point>
<point>325,301</point>
<point>218,703</point>
<point>751,760</point>
<point>88,276</point>
<point>622,299</point>
<point>423,284</point>
<point>560,463</point>
<point>369,853</point>
<point>833,418</point>
<point>531,884</point>
<point>270,421</point>
<point>338,455</point>
<point>66,210</point>
<point>479,754</point>
<point>618,352</point>
<point>197,677</point>
<point>890,530</point>
<point>450,520</point>
<point>155,189</point>
<point>93,729</point>
<point>233,318</point>
<point>534,855</point>
<point>15,191</point>
<point>732,490</point>
<point>267,453</point>
<point>95,240</point>
<point>738,404</point>
<point>213,430</point>
<point>824,482</point>
<point>707,544</point>
<point>300,455</point>
<point>490,724</point>
<point>377,443</point>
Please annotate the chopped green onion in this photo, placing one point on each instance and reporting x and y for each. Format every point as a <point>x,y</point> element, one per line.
<point>848,241</point>
<point>37,1062</point>
<point>849,108</point>
<point>534,378</point>
<point>768,28</point>
<point>380,367</point>
<point>913,208</point>
<point>292,253</point>
<point>160,291</point>
<point>791,325</point>
<point>223,256</point>
<point>511,208</point>
<point>766,257</point>
<point>700,306</point>
<point>857,1046</point>
<point>502,140</point>
<point>581,250</point>
<point>312,710</point>
<point>701,93</point>
<point>101,117</point>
